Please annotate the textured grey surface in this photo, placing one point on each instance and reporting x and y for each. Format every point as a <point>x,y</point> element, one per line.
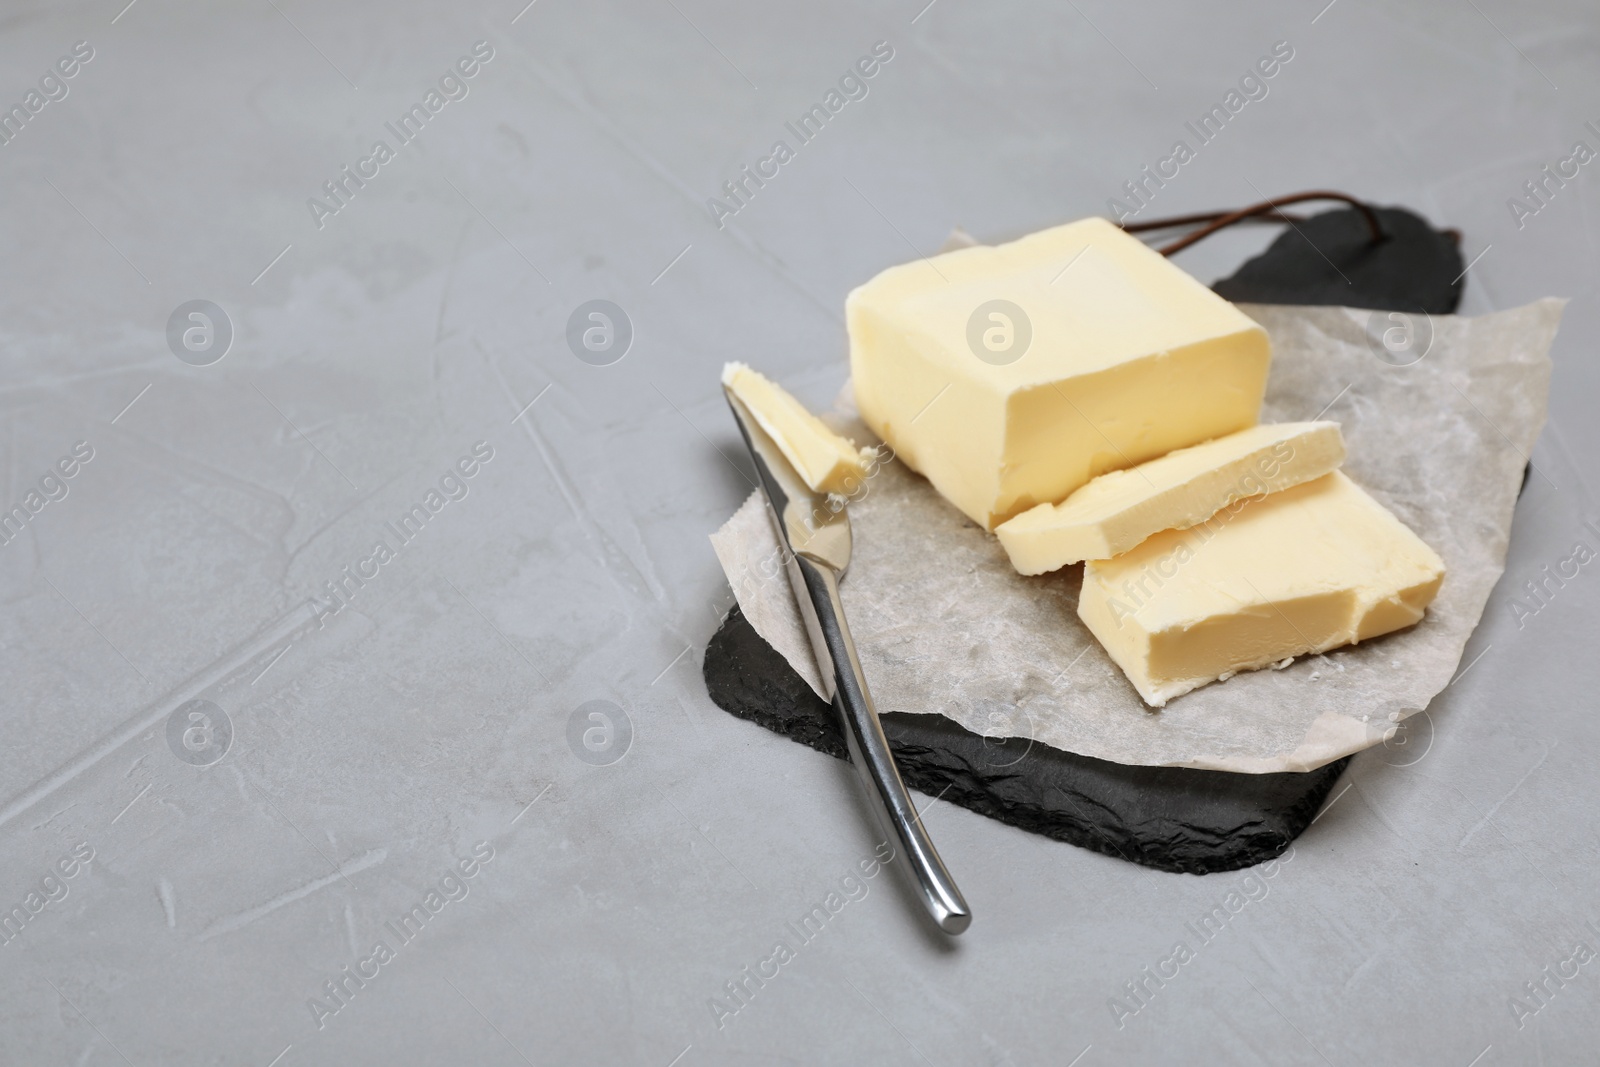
<point>433,713</point>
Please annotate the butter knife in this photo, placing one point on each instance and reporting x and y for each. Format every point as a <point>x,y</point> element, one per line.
<point>817,544</point>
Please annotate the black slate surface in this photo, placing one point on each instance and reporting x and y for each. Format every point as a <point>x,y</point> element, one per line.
<point>1171,818</point>
<point>1331,259</point>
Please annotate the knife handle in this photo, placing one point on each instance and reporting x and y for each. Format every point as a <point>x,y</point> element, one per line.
<point>869,749</point>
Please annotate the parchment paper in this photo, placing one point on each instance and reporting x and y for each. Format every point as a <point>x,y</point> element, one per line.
<point>944,625</point>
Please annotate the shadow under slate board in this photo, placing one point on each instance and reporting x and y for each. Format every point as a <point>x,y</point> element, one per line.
<point>1171,818</point>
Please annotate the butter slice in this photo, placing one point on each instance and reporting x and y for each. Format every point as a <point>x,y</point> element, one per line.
<point>825,461</point>
<point>1305,570</point>
<point>1117,511</point>
<point>1129,358</point>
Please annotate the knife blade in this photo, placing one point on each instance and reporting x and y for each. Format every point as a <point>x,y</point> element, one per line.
<point>815,533</point>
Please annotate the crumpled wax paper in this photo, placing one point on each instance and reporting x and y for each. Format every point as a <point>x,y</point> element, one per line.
<point>945,626</point>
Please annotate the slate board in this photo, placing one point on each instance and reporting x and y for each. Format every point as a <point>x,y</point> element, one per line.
<point>1171,818</point>
<point>1331,259</point>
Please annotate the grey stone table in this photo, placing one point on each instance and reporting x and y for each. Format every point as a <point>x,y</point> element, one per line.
<point>402,747</point>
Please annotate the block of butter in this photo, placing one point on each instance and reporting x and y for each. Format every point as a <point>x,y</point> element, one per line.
<point>1011,375</point>
<point>1116,511</point>
<point>826,461</point>
<point>1304,570</point>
